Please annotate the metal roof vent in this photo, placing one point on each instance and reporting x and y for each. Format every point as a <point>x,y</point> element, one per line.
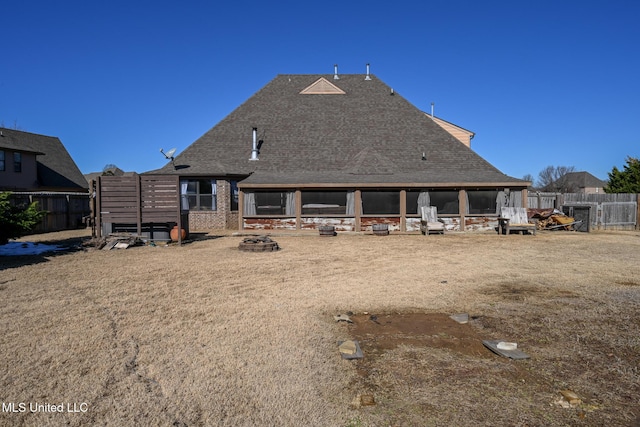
<point>335,72</point>
<point>368,77</point>
<point>254,146</point>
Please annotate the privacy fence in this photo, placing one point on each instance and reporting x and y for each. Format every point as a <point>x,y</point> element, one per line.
<point>65,211</point>
<point>606,211</point>
<point>147,205</point>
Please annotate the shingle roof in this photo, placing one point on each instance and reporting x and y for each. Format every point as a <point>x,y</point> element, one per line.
<point>115,171</point>
<point>582,180</point>
<point>369,134</point>
<point>56,168</point>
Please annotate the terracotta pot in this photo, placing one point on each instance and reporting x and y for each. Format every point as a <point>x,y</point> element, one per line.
<point>174,233</point>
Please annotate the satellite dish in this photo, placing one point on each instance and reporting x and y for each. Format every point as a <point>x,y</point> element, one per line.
<point>169,154</point>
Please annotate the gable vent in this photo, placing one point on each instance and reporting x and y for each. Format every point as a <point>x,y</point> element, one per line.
<point>322,86</point>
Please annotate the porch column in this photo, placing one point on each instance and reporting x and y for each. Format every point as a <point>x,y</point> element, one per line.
<point>298,209</point>
<point>357,209</point>
<point>462,206</point>
<point>240,210</point>
<point>525,198</point>
<point>403,210</point>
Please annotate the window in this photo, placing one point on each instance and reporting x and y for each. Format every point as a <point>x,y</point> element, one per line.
<point>324,203</point>
<point>1,160</point>
<point>415,200</point>
<point>445,201</point>
<point>381,202</point>
<point>269,203</point>
<point>198,194</point>
<point>17,162</point>
<point>234,195</point>
<point>482,202</point>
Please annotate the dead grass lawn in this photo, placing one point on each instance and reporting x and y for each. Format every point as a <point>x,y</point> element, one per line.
<point>204,334</point>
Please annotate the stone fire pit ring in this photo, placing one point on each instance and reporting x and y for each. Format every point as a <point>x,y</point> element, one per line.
<point>258,244</point>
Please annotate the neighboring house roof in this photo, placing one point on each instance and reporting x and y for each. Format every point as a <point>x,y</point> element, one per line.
<point>56,168</point>
<point>314,129</point>
<point>115,171</point>
<point>582,180</point>
<point>9,142</point>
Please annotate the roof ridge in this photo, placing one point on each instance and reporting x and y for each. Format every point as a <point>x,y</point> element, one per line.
<point>30,133</point>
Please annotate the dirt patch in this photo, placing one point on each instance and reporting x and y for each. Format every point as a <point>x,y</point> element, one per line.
<point>416,358</point>
<point>380,332</point>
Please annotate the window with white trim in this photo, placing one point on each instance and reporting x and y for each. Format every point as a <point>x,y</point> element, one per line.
<point>199,194</point>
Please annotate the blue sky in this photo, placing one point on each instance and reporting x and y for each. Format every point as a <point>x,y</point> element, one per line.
<point>540,83</point>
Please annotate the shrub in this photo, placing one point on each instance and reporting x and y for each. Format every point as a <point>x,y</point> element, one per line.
<point>16,221</point>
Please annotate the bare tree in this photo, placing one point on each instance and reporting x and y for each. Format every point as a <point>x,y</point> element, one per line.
<point>552,178</point>
<point>529,177</point>
<point>14,127</point>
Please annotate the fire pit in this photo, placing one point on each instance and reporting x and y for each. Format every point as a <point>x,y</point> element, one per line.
<point>258,244</point>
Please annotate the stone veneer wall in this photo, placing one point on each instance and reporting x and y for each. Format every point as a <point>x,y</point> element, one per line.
<point>222,218</point>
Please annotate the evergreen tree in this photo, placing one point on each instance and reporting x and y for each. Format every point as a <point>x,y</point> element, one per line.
<point>16,221</point>
<point>626,180</point>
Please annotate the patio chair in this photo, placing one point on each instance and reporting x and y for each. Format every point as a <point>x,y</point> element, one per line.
<point>430,222</point>
<point>515,219</point>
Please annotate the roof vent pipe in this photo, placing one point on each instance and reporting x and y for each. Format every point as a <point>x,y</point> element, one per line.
<point>254,146</point>
<point>335,72</point>
<point>432,105</point>
<point>368,76</point>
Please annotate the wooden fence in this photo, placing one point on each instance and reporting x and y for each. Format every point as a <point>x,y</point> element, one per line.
<point>138,203</point>
<point>615,211</point>
<point>65,211</point>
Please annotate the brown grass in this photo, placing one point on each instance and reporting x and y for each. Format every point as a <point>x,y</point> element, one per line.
<point>204,334</point>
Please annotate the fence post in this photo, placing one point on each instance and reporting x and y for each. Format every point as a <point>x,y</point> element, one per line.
<point>638,211</point>
<point>177,181</point>
<point>98,205</point>
<point>139,205</point>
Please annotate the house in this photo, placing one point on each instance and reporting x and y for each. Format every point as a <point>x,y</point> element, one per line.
<point>108,171</point>
<point>582,182</point>
<point>38,168</point>
<point>32,162</point>
<point>343,150</point>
